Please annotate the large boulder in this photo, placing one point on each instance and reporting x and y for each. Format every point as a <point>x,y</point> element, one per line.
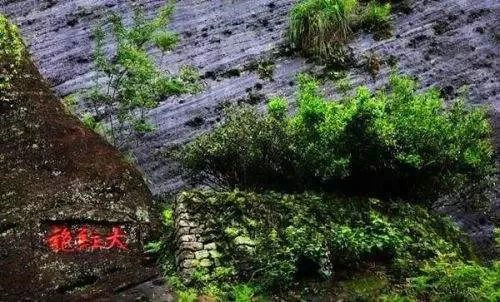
<point>57,175</point>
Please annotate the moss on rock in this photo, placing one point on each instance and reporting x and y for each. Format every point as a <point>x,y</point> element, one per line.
<point>12,50</point>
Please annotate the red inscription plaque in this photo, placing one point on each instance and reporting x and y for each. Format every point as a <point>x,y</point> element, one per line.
<point>61,239</point>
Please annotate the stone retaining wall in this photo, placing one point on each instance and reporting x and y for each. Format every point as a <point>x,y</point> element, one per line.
<point>196,245</point>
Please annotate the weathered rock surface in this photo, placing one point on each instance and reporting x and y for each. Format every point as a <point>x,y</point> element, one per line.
<point>444,43</point>
<point>56,173</point>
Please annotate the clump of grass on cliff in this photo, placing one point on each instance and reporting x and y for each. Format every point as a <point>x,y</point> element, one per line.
<point>377,17</point>
<point>322,28</point>
<point>11,51</point>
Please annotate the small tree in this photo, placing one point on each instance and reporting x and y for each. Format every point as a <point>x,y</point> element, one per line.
<point>127,82</point>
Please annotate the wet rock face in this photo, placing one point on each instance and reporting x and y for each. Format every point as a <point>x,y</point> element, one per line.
<point>444,43</point>
<point>73,214</point>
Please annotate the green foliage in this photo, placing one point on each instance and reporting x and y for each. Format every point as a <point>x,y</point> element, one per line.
<point>321,27</point>
<point>277,107</point>
<point>168,216</point>
<point>166,41</point>
<point>132,83</point>
<point>142,126</point>
<point>265,70</point>
<point>235,155</point>
<point>69,103</point>
<point>187,296</point>
<point>153,247</point>
<point>271,237</point>
<point>164,249</point>
<point>442,280</point>
<point>91,123</point>
<point>12,51</point>
<point>243,293</point>
<point>397,142</point>
<point>377,16</point>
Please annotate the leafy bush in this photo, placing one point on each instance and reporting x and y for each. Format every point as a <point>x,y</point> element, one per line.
<point>242,156</point>
<point>321,27</point>
<point>273,240</point>
<point>443,280</point>
<point>393,142</point>
<point>132,83</point>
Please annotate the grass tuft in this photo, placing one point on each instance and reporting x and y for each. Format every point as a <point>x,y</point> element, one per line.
<point>321,27</point>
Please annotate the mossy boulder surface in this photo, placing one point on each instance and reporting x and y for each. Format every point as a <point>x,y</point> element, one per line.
<point>54,172</point>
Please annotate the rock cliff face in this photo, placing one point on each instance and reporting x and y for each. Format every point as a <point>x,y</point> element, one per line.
<point>444,43</point>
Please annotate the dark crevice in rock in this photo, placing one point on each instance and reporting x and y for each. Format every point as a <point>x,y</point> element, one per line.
<point>81,283</point>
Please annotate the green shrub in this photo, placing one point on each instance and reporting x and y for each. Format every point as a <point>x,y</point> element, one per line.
<point>69,103</point>
<point>321,27</point>
<point>11,43</point>
<point>232,155</point>
<point>397,141</point>
<point>187,296</point>
<point>277,107</point>
<point>166,41</point>
<point>91,123</point>
<point>272,240</point>
<point>442,280</point>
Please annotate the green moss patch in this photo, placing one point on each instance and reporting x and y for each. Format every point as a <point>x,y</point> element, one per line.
<point>12,51</point>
